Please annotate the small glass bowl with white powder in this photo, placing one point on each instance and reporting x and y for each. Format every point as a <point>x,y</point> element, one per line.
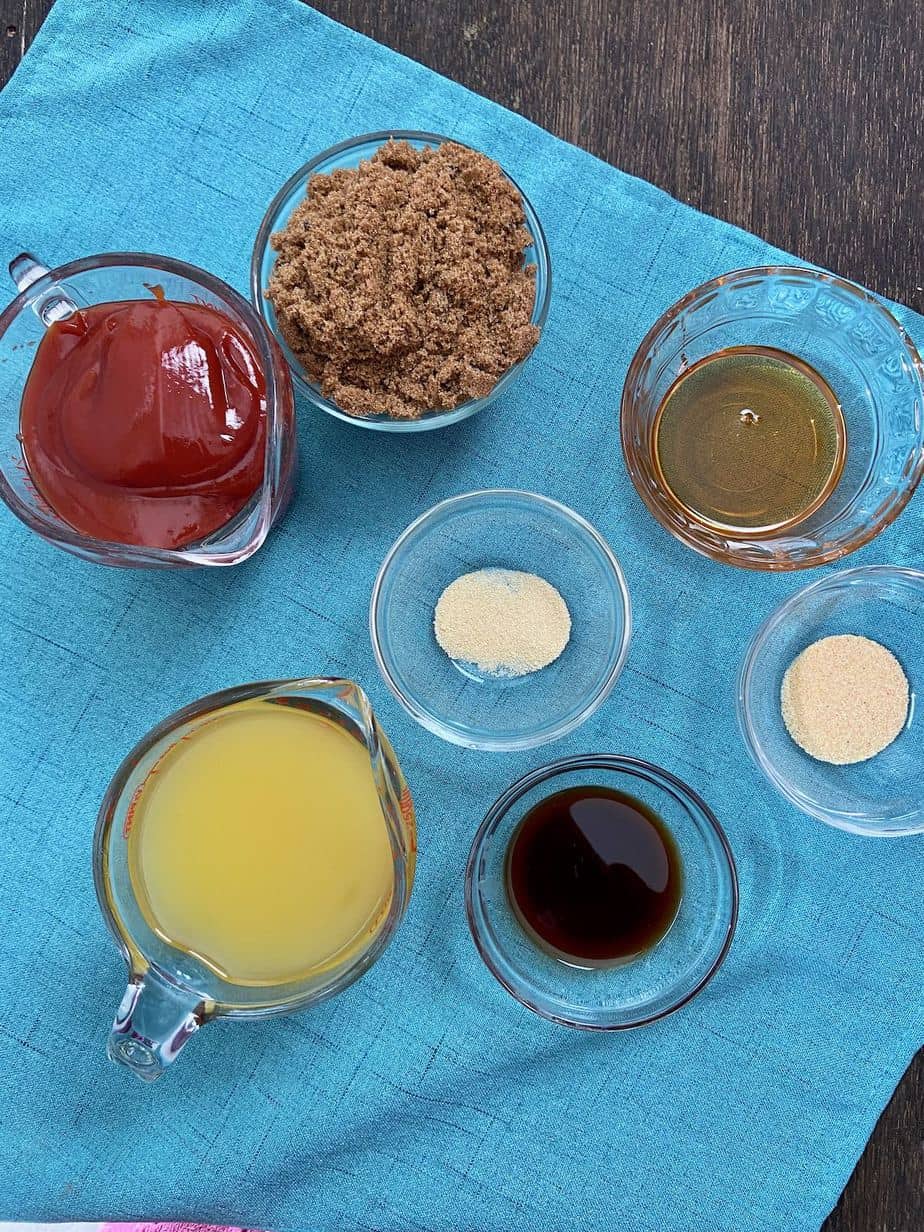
<point>500,620</point>
<point>829,700</point>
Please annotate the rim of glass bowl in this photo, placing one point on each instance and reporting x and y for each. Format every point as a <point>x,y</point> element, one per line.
<point>482,933</point>
<point>854,823</point>
<point>431,419</point>
<point>505,744</point>
<point>199,553</point>
<point>823,554</point>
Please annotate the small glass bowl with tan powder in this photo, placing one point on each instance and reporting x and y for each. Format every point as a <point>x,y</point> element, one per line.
<point>829,700</point>
<point>406,278</point>
<point>500,620</point>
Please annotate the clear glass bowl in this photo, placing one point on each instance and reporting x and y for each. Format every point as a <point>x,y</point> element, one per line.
<point>884,795</point>
<point>350,154</point>
<point>859,348</point>
<point>48,295</point>
<point>510,530</point>
<point>648,987</point>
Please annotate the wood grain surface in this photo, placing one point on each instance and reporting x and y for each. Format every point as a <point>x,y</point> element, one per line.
<point>801,120</point>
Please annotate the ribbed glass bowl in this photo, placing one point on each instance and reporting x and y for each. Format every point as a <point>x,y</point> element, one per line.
<point>645,988</point>
<point>509,530</point>
<point>348,154</point>
<point>883,796</point>
<point>852,340</point>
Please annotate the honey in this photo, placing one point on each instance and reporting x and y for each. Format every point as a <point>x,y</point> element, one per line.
<point>750,441</point>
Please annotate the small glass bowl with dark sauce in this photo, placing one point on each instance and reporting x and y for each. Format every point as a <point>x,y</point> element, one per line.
<point>601,892</point>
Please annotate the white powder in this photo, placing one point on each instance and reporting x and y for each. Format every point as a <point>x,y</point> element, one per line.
<point>844,699</point>
<point>506,622</point>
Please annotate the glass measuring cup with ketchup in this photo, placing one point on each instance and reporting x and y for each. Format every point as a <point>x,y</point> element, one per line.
<point>146,413</point>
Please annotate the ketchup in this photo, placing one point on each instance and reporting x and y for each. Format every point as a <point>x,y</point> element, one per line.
<point>144,422</point>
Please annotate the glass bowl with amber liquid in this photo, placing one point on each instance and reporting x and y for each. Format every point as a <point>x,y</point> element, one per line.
<point>774,418</point>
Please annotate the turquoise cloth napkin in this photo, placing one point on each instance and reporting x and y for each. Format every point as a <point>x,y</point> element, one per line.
<point>425,1097</point>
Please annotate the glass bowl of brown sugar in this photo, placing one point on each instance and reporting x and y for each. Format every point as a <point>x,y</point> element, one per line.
<point>406,309</point>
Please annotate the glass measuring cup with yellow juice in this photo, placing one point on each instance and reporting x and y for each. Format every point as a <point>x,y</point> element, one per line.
<point>254,855</point>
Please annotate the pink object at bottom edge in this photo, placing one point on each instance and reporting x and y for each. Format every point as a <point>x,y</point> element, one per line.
<point>168,1227</point>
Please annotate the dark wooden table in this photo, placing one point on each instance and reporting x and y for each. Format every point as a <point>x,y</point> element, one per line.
<point>801,121</point>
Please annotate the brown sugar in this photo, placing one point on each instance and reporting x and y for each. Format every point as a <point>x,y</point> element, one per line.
<point>400,284</point>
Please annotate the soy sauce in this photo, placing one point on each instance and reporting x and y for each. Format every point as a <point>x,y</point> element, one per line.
<point>594,876</point>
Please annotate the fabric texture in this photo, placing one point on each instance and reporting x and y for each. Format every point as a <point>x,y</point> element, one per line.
<point>424,1097</point>
<point>117,1227</point>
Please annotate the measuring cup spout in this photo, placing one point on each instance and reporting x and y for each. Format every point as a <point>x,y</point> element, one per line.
<point>153,1022</point>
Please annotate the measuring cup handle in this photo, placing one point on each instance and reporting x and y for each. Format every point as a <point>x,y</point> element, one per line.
<point>153,1022</point>
<point>26,269</point>
<point>57,303</point>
